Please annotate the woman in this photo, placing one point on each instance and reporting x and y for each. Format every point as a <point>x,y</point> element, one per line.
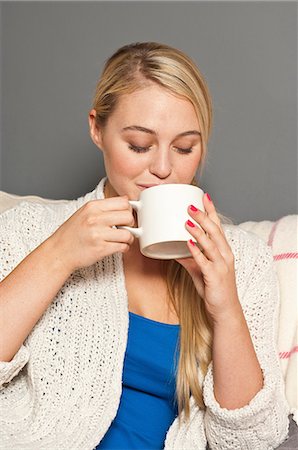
<point>104,348</point>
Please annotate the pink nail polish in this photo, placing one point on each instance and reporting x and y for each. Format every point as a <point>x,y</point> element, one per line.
<point>193,208</point>
<point>192,242</point>
<point>189,222</point>
<point>208,196</point>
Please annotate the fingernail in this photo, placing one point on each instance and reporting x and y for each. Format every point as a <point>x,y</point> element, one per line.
<point>208,196</point>
<point>192,242</point>
<point>189,222</point>
<point>193,208</point>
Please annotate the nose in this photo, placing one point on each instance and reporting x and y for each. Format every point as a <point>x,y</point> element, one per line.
<point>161,165</point>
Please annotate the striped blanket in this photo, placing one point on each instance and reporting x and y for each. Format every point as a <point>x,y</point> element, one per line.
<point>282,236</point>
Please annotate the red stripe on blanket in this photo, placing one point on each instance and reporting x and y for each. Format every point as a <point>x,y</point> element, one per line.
<point>284,355</point>
<point>272,232</point>
<point>293,255</point>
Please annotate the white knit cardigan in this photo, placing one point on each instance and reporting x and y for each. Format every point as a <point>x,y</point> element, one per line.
<point>62,389</point>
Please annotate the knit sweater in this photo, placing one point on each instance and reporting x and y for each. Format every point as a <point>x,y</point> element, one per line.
<point>62,389</point>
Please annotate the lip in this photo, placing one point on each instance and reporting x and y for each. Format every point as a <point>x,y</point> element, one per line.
<point>146,186</point>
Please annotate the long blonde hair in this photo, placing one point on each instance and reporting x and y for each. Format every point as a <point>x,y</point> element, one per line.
<point>128,69</point>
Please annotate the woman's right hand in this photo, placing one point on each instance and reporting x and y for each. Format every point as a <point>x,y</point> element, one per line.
<point>88,235</point>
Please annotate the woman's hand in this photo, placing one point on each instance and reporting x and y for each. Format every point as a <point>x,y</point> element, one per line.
<point>90,234</point>
<point>237,375</point>
<point>212,269</point>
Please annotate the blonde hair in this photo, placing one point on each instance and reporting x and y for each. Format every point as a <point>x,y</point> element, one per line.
<point>130,68</point>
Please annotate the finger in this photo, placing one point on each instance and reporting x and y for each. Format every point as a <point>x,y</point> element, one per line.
<point>195,272</point>
<point>211,228</point>
<point>189,264</point>
<point>115,247</point>
<point>208,246</point>
<point>211,210</point>
<point>115,218</point>
<point>119,235</point>
<point>199,257</point>
<point>111,204</point>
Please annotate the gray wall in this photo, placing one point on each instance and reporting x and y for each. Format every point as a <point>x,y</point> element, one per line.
<point>53,52</point>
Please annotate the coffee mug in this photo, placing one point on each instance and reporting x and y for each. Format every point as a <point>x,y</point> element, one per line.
<point>162,213</point>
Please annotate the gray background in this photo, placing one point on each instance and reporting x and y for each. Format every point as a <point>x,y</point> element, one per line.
<point>53,52</point>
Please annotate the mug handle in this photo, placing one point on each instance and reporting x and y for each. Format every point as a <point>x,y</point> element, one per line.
<point>137,232</point>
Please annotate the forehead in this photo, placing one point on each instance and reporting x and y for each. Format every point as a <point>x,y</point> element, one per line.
<point>155,106</point>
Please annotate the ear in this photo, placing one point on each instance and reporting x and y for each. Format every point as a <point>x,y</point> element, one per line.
<point>95,132</point>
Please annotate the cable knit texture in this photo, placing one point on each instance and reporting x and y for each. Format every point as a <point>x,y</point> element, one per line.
<point>62,389</point>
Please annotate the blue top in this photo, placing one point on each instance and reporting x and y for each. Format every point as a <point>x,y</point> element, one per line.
<point>147,407</point>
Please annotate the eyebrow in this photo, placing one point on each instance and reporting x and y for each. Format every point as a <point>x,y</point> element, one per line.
<point>146,130</point>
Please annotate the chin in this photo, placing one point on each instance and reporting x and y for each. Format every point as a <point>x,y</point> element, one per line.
<point>135,196</point>
<point>131,190</point>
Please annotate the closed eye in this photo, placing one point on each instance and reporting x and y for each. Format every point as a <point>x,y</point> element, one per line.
<point>138,149</point>
<point>184,150</point>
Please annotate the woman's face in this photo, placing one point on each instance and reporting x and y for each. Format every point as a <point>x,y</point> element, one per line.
<point>152,137</point>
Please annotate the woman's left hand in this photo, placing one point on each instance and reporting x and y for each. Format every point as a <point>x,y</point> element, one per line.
<point>212,270</point>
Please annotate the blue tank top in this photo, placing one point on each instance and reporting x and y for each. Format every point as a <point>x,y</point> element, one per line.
<point>147,407</point>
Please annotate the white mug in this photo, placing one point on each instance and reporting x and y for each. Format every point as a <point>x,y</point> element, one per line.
<point>162,213</point>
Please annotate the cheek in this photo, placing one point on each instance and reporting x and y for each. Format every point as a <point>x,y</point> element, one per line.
<point>188,166</point>
<point>125,161</point>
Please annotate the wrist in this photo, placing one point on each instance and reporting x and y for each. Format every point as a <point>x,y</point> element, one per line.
<point>232,315</point>
<point>57,257</point>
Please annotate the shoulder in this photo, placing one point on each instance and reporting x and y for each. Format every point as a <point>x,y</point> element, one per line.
<point>43,215</point>
<point>27,212</point>
<point>29,223</point>
<point>253,257</point>
<point>245,243</point>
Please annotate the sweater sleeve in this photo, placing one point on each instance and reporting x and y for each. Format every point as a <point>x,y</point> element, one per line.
<point>263,423</point>
<point>8,370</point>
<point>13,249</point>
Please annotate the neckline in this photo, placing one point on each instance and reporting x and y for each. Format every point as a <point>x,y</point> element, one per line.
<point>154,321</point>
